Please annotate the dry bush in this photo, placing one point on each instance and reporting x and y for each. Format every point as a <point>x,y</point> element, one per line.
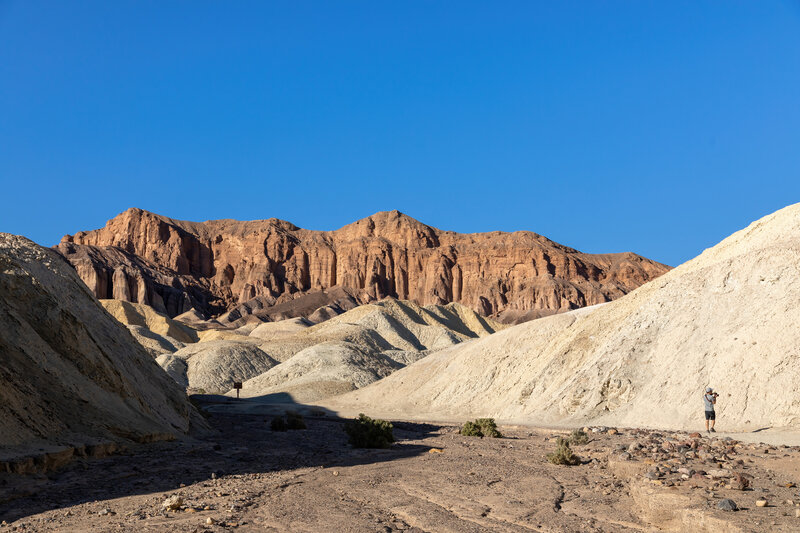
<point>278,424</point>
<point>295,420</point>
<point>481,427</point>
<point>578,437</point>
<point>563,454</point>
<point>365,432</point>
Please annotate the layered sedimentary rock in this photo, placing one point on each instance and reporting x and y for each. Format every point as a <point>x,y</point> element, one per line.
<point>216,265</point>
<point>71,376</point>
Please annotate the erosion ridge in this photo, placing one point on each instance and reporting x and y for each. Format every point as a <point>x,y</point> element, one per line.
<point>215,266</point>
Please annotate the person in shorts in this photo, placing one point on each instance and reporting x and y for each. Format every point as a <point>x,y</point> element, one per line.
<point>709,400</point>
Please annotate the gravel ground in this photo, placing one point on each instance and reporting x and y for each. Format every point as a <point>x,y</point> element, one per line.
<point>249,478</point>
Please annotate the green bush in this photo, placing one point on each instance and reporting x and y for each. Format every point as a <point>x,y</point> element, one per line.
<point>578,437</point>
<point>563,454</point>
<point>365,432</point>
<point>481,427</point>
<point>278,424</point>
<point>295,420</point>
<point>470,429</point>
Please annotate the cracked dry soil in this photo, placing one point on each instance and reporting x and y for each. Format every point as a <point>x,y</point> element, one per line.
<point>249,478</point>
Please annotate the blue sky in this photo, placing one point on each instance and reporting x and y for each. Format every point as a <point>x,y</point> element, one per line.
<point>654,127</point>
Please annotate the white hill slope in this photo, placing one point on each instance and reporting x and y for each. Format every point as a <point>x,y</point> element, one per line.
<point>361,346</point>
<point>728,318</point>
<point>71,375</point>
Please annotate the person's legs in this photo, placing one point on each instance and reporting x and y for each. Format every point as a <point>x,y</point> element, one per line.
<point>706,424</point>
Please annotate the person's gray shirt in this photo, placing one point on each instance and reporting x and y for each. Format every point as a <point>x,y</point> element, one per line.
<point>708,400</point>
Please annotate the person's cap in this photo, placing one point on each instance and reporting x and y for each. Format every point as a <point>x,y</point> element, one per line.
<point>708,389</point>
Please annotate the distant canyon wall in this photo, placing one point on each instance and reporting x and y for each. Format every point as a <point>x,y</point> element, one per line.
<point>213,266</point>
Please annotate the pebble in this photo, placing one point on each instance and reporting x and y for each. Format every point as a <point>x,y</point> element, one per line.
<point>761,503</point>
<point>210,521</point>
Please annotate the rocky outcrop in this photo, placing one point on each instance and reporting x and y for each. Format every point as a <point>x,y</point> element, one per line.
<point>214,266</point>
<point>71,376</point>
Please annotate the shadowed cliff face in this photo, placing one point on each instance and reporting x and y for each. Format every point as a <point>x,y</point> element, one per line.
<point>213,266</point>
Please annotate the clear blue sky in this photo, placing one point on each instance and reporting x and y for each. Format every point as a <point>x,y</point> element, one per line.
<point>654,127</point>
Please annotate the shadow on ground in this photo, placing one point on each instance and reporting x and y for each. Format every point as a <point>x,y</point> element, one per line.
<point>241,443</point>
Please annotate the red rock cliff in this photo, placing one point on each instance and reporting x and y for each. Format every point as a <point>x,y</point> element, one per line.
<point>212,266</point>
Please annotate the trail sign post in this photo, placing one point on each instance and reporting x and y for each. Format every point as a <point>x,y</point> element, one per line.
<point>238,386</point>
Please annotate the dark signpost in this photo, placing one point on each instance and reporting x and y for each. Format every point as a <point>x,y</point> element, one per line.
<point>238,386</point>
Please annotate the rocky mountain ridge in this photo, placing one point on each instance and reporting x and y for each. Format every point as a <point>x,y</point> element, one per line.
<point>214,266</point>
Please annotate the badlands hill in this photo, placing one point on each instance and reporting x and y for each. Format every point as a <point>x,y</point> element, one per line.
<point>361,346</point>
<point>71,375</point>
<point>314,361</point>
<point>727,319</point>
<point>156,332</point>
<point>225,265</point>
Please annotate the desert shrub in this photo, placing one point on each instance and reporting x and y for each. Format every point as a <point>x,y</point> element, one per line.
<point>578,437</point>
<point>470,429</point>
<point>295,420</point>
<point>365,432</point>
<point>278,424</point>
<point>563,454</point>
<point>481,427</point>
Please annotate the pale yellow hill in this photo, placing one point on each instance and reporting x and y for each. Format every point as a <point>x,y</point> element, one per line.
<point>133,314</point>
<point>357,347</point>
<point>727,319</point>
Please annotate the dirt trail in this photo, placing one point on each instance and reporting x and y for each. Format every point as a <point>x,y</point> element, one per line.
<point>248,478</point>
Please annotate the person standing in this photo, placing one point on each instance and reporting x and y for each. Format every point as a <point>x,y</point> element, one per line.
<point>709,401</point>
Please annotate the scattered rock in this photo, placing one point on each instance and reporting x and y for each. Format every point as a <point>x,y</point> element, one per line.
<point>173,503</point>
<point>761,503</point>
<point>740,481</point>
<point>727,505</point>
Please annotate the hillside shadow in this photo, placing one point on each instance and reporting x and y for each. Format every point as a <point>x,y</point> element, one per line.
<point>241,443</point>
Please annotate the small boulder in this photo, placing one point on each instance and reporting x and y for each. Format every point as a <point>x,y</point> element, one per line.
<point>727,505</point>
<point>740,481</point>
<point>761,503</point>
<point>173,503</point>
